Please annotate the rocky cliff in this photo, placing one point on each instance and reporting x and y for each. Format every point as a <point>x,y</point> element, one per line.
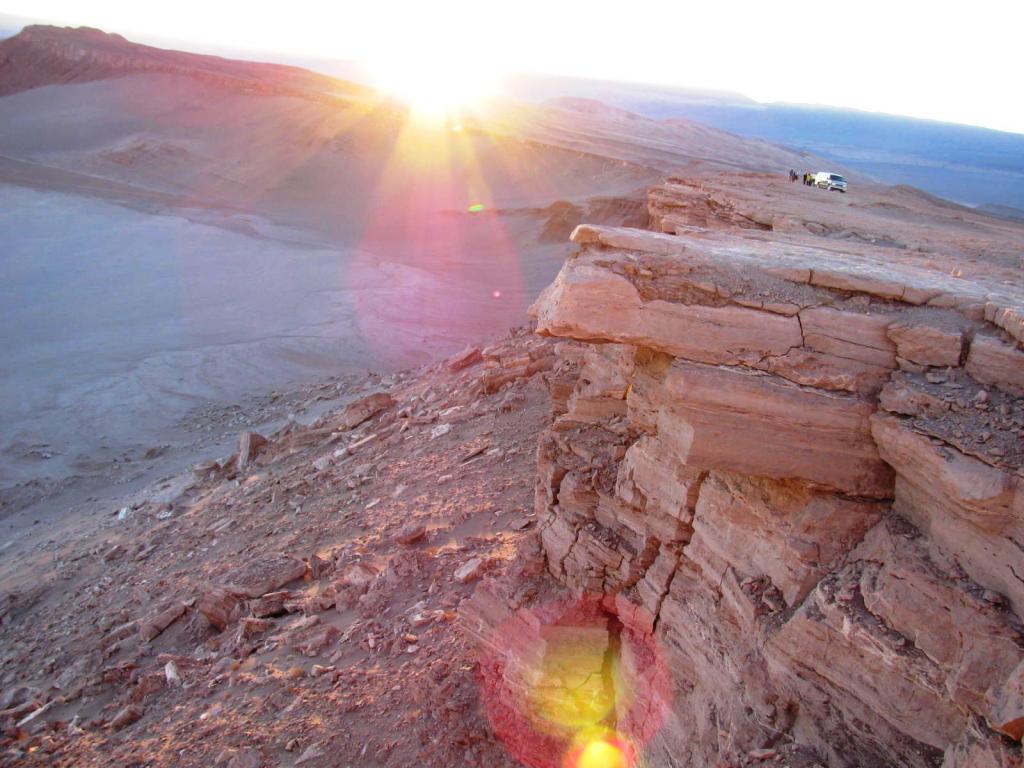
<point>780,510</point>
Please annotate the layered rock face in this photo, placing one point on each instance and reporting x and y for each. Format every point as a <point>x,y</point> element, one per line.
<point>799,473</point>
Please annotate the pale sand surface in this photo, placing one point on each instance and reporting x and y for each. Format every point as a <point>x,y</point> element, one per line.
<point>169,244</point>
<point>117,322</point>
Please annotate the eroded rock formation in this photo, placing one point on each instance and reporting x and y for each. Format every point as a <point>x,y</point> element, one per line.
<point>798,472</point>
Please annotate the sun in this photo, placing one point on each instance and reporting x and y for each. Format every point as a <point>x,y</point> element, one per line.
<point>434,90</point>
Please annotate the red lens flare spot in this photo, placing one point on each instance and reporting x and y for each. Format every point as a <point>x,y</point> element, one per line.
<point>496,294</point>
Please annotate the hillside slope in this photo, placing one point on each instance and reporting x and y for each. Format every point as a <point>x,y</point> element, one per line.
<point>171,173</point>
<point>44,55</point>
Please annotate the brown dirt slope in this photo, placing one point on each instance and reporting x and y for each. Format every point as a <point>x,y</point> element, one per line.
<point>294,604</point>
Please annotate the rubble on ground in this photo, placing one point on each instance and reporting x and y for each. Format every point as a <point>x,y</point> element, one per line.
<point>292,611</point>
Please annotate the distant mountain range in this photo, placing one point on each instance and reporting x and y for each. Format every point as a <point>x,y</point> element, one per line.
<point>965,164</point>
<point>969,165</point>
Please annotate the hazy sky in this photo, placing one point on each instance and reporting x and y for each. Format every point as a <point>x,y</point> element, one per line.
<point>956,61</point>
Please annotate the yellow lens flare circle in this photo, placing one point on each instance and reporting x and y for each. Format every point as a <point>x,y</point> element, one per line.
<point>605,750</point>
<point>558,694</point>
<point>573,690</point>
<point>601,754</point>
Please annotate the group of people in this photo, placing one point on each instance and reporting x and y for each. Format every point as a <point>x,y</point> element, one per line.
<point>808,177</point>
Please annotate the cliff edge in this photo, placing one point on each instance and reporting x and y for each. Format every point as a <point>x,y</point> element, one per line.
<point>780,509</point>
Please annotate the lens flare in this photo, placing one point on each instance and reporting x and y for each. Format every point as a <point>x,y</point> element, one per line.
<point>601,754</point>
<point>575,684</point>
<point>435,90</point>
<point>573,688</point>
<point>605,750</point>
<point>476,208</point>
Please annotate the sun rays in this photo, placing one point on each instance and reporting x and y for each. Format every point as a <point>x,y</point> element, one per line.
<point>435,91</point>
<point>434,208</point>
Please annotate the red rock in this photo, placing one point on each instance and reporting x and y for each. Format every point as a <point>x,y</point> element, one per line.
<point>927,344</point>
<point>993,361</point>
<point>126,717</point>
<point>1007,704</point>
<point>719,418</point>
<point>784,530</point>
<point>364,409</point>
<point>146,686</point>
<point>587,302</point>
<point>246,758</point>
<point>469,570</point>
<point>359,575</point>
<point>151,627</point>
<point>318,567</point>
<point>271,604</point>
<point>219,606</point>
<point>410,533</point>
<point>465,359</point>
<point>738,506</point>
<point>850,335</point>
<point>249,446</point>
<point>265,574</point>
<point>967,507</point>
<point>251,627</point>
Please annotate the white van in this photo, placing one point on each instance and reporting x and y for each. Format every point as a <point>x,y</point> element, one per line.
<point>828,180</point>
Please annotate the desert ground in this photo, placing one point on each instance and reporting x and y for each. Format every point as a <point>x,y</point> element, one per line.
<point>271,398</point>
<point>295,226</point>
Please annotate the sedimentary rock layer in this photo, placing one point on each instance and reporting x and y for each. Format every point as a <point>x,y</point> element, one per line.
<point>800,474</point>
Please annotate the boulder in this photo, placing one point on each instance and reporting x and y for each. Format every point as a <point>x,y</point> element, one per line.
<point>742,421</point>
<point>927,344</point>
<point>249,446</point>
<point>465,359</point>
<point>590,303</point>
<point>410,533</point>
<point>784,530</point>
<point>970,510</point>
<point>126,717</point>
<point>363,409</point>
<point>1006,713</point>
<point>991,360</point>
<point>263,574</point>
<point>219,606</point>
<point>150,627</point>
<point>469,570</point>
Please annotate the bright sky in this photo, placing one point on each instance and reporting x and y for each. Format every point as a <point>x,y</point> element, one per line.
<point>955,61</point>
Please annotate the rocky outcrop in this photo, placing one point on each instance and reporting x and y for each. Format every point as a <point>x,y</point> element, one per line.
<point>790,480</point>
<point>682,202</point>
